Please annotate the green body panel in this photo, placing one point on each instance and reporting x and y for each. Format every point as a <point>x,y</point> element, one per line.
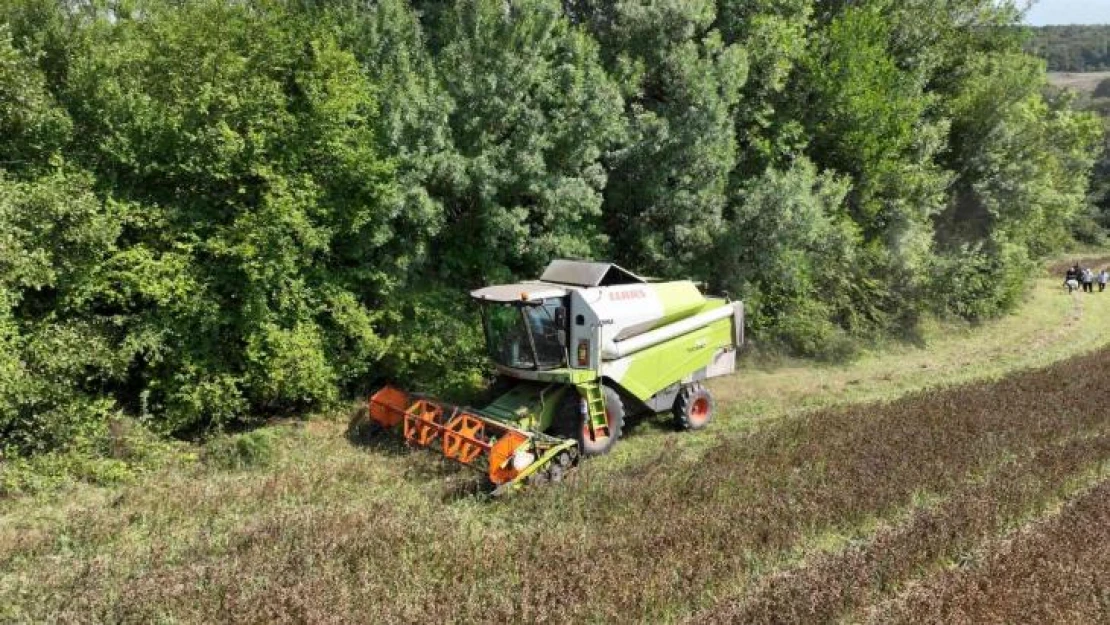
<point>530,405</point>
<point>679,299</point>
<point>655,368</point>
<point>564,376</point>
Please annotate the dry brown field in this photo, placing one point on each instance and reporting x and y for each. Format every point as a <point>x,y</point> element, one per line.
<point>1084,82</point>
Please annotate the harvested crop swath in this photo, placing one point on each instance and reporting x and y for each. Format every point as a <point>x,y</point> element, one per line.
<point>1053,572</point>
<point>822,589</point>
<point>658,540</point>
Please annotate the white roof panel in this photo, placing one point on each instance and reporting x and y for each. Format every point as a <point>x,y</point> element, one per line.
<point>588,274</point>
<point>523,291</point>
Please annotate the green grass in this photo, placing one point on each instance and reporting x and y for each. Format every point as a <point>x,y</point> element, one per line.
<point>1050,326</point>
<point>298,524</point>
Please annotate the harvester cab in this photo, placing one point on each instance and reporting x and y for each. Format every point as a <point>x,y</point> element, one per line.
<point>577,351</point>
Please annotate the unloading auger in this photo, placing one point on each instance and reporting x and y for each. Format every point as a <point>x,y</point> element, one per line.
<point>577,351</point>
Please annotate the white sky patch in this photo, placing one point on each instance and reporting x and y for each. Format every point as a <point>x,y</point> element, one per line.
<point>1068,12</point>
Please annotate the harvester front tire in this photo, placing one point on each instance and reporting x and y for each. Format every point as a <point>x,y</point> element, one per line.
<point>693,408</point>
<point>573,423</point>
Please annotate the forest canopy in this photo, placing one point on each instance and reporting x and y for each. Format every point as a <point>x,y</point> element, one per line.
<point>1074,48</point>
<point>214,211</point>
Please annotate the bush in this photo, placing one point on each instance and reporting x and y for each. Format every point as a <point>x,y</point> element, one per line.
<point>117,450</point>
<point>250,450</point>
<point>50,471</point>
<point>975,284</point>
<point>789,268</point>
<point>438,346</point>
<point>1102,90</point>
<point>55,354</point>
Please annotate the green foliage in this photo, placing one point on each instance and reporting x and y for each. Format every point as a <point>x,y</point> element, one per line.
<point>57,354</point>
<point>784,267</point>
<point>51,471</point>
<point>235,452</point>
<point>249,141</point>
<point>977,284</point>
<point>1102,89</point>
<point>668,183</point>
<point>32,127</point>
<point>533,114</point>
<point>1072,48</point>
<point>438,345</point>
<point>1100,178</point>
<point>213,212</point>
<point>117,453</point>
<point>1024,160</point>
<point>772,33</point>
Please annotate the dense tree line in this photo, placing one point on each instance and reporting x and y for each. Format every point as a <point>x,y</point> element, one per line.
<point>1075,48</point>
<point>1097,102</point>
<point>214,210</point>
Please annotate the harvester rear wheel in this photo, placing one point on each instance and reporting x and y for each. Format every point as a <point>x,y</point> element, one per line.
<point>693,408</point>
<point>573,424</point>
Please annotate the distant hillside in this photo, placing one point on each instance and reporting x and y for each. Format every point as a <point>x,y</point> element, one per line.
<point>1072,48</point>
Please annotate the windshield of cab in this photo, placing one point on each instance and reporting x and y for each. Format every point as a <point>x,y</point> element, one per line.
<point>525,335</point>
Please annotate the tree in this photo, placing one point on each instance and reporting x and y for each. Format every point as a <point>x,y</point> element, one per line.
<point>534,113</point>
<point>33,128</point>
<point>773,33</point>
<point>789,251</point>
<point>682,83</point>
<point>248,137</point>
<point>1102,89</point>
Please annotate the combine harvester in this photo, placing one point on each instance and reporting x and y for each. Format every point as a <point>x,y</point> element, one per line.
<point>581,348</point>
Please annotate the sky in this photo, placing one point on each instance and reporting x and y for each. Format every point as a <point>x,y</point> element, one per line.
<point>1069,12</point>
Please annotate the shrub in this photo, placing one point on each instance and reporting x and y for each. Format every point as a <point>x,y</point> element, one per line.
<point>438,346</point>
<point>975,284</point>
<point>249,450</point>
<point>50,471</point>
<point>1102,89</point>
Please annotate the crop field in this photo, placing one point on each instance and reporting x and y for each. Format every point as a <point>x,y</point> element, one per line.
<point>1084,82</point>
<point>912,499</point>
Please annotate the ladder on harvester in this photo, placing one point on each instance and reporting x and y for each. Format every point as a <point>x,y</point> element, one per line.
<point>595,405</point>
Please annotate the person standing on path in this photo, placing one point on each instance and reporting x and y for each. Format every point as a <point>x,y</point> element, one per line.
<point>1088,280</point>
<point>1103,278</point>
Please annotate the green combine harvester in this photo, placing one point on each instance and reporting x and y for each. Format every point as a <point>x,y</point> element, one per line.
<point>585,346</point>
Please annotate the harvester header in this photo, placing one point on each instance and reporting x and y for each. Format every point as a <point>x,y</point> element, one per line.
<point>578,351</point>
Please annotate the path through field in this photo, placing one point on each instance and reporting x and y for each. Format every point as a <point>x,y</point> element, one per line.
<point>866,492</point>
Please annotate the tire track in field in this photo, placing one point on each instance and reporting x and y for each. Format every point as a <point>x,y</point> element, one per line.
<point>824,588</point>
<point>1055,570</point>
